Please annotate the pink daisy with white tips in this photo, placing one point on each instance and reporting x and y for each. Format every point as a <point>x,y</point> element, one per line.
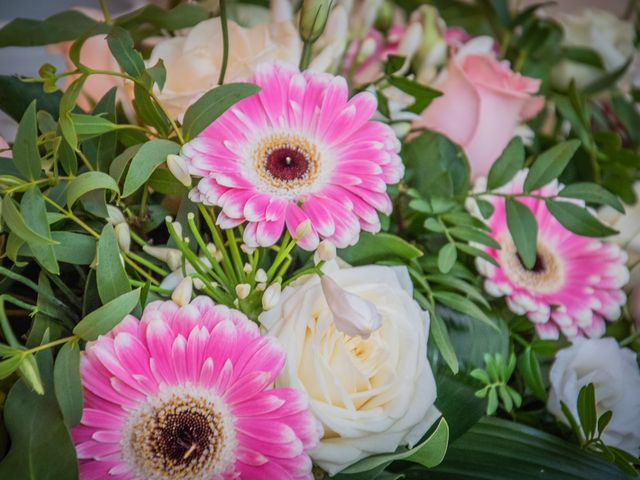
<point>576,282</point>
<point>299,149</point>
<point>186,393</point>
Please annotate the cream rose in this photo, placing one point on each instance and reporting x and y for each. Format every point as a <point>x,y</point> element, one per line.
<point>601,31</point>
<point>371,395</point>
<point>615,375</point>
<point>193,61</point>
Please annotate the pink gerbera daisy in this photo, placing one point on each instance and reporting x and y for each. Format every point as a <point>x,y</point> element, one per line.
<point>185,393</point>
<point>576,282</point>
<point>299,149</point>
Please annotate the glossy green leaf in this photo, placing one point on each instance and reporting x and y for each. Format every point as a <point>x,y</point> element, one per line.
<point>510,161</point>
<point>380,247</point>
<point>447,257</point>
<point>16,95</point>
<point>67,105</point>
<point>101,150</point>
<point>587,410</point>
<point>34,211</point>
<point>213,104</point>
<point>578,219</point>
<point>106,317</point>
<point>524,231</point>
<point>422,94</point>
<point>550,164</point>
<point>68,387</point>
<point>121,46</point>
<point>530,370</point>
<point>74,248</point>
<point>88,182</point>
<point>16,223</point>
<point>440,336</point>
<point>25,150</point>
<point>163,181</point>
<point>110,273</point>
<point>145,161</point>
<point>92,125</point>
<point>593,193</point>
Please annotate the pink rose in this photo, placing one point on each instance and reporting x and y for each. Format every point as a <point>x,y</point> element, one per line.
<point>483,102</point>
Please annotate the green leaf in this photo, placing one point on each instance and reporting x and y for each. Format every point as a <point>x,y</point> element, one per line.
<point>145,161</point>
<point>17,224</point>
<point>74,248</point>
<point>119,164</point>
<point>158,73</point>
<point>486,208</point>
<point>121,46</point>
<point>213,104</point>
<point>609,79</point>
<point>499,449</point>
<point>9,365</point>
<point>41,447</point>
<point>68,387</point>
<point>463,305</point>
<point>88,182</point>
<point>61,27</point>
<point>530,369</point>
<point>148,110</point>
<point>440,336</point>
<point>102,150</point>
<point>586,56</point>
<point>471,234</point>
<point>492,401</point>
<point>92,125</point>
<point>550,164</point>
<point>106,317</point>
<point>110,274</point>
<point>16,95</point>
<point>578,219</point>
<point>604,420</point>
<point>380,247</point>
<point>429,453</point>
<point>510,161</point>
<point>67,105</point>
<point>26,157</point>
<point>592,192</point>
<point>181,16</point>
<point>422,94</point>
<point>524,231</point>
<point>447,257</point>
<point>587,410</point>
<point>163,181</point>
<point>34,212</point>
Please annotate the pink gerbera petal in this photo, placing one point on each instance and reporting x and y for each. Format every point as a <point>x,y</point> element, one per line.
<point>186,392</point>
<point>273,158</point>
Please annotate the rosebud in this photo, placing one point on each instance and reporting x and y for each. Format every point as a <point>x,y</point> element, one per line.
<point>243,290</point>
<point>326,251</point>
<point>182,293</point>
<point>261,275</point>
<point>123,235</point>
<point>271,296</point>
<point>352,315</point>
<point>178,167</point>
<point>313,18</point>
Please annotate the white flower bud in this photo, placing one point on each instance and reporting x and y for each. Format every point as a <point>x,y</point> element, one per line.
<point>261,275</point>
<point>271,296</point>
<point>352,315</point>
<point>211,248</point>
<point>303,229</point>
<point>123,235</point>
<point>178,167</point>
<point>261,286</point>
<point>178,228</point>
<point>115,215</point>
<point>247,249</point>
<point>326,251</point>
<point>247,268</point>
<point>182,293</point>
<point>198,284</point>
<point>171,256</point>
<point>243,290</point>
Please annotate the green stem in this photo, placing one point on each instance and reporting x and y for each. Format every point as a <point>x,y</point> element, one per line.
<point>287,245</point>
<point>148,264</point>
<point>225,41</point>
<point>105,12</point>
<point>218,274</point>
<point>235,253</point>
<point>143,201</point>
<point>44,346</point>
<point>219,243</point>
<point>305,58</point>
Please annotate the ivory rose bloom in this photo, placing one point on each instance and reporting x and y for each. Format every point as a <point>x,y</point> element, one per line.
<point>615,375</point>
<point>193,61</point>
<point>601,31</point>
<point>371,395</point>
<point>483,102</point>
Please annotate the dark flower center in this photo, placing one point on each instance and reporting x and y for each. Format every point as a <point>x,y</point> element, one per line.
<point>182,437</point>
<point>287,164</point>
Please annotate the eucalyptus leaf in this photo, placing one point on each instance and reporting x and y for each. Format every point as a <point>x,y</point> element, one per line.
<point>110,273</point>
<point>67,383</point>
<point>121,46</point>
<point>34,211</point>
<point>16,222</point>
<point>25,149</point>
<point>380,247</point>
<point>145,161</point>
<point>88,182</point>
<point>106,317</point>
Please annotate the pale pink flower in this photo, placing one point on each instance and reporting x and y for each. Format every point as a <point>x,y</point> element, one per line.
<point>186,393</point>
<point>482,103</point>
<point>299,149</point>
<point>576,282</point>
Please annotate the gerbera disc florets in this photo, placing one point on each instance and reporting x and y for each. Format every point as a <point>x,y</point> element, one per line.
<point>298,150</point>
<point>576,282</point>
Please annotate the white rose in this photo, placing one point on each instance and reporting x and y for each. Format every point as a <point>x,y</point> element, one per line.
<point>193,61</point>
<point>601,31</point>
<point>371,395</point>
<point>615,375</point>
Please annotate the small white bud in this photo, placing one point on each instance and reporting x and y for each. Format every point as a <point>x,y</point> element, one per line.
<point>247,249</point>
<point>211,248</point>
<point>236,303</point>
<point>123,235</point>
<point>303,229</point>
<point>174,260</point>
<point>218,256</point>
<point>182,293</point>
<point>261,286</point>
<point>326,251</point>
<point>178,228</point>
<point>243,290</point>
<point>164,254</point>
<point>198,284</point>
<point>247,268</point>
<point>271,296</point>
<point>261,275</point>
<point>179,168</point>
<point>115,215</point>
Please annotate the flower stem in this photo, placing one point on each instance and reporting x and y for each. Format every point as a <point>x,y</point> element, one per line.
<point>225,41</point>
<point>305,58</point>
<point>105,12</point>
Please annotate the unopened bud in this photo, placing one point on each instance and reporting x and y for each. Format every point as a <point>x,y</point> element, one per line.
<point>247,249</point>
<point>261,275</point>
<point>271,296</point>
<point>313,19</point>
<point>261,286</point>
<point>243,290</point>
<point>115,215</point>
<point>247,268</point>
<point>384,19</point>
<point>182,293</point>
<point>303,229</point>
<point>178,167</point>
<point>123,235</point>
<point>171,256</point>
<point>211,248</point>
<point>198,284</point>
<point>326,251</point>
<point>431,44</point>
<point>30,374</point>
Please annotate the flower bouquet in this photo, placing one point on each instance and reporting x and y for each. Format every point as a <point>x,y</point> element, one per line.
<point>356,240</point>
